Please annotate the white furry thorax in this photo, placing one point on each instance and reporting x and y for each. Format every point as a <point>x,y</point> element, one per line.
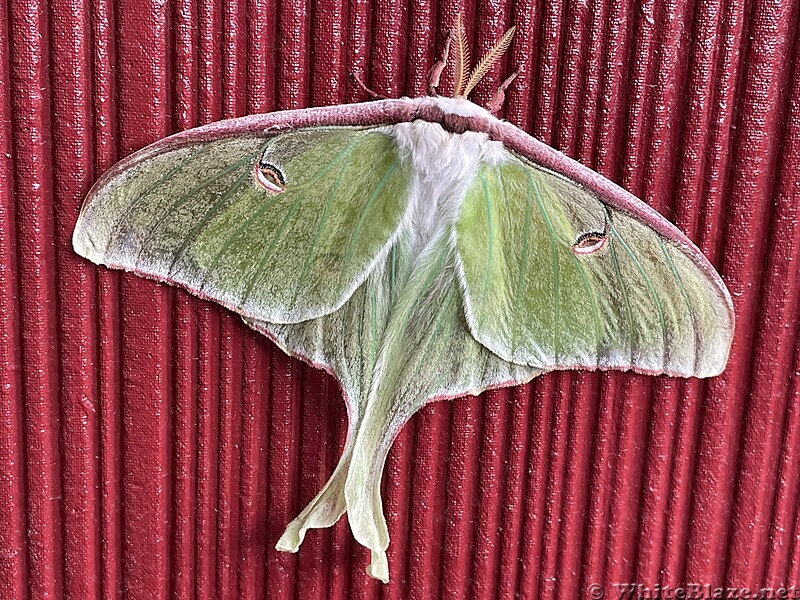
<point>442,164</point>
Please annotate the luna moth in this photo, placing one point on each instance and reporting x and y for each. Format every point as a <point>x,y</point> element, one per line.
<point>415,248</point>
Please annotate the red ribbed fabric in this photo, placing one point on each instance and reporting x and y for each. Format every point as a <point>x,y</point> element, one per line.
<point>152,446</point>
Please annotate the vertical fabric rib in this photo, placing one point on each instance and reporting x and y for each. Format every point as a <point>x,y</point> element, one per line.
<point>529,578</point>
<point>107,346</point>
<point>38,360</point>
<point>152,446</point>
<point>73,170</point>
<point>14,560</point>
<point>146,352</point>
<point>186,335</point>
<point>487,533</point>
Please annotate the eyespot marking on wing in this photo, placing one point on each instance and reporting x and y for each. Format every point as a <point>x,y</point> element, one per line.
<point>592,241</point>
<point>270,177</point>
<point>589,243</point>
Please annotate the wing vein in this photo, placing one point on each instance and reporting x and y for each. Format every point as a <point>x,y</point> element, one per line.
<point>652,291</point>
<point>554,254</point>
<point>592,293</point>
<point>624,295</point>
<point>373,326</point>
<point>184,198</point>
<point>235,235</point>
<point>145,193</point>
<point>357,231</point>
<point>522,266</point>
<point>231,238</point>
<point>689,308</point>
<point>268,254</point>
<point>490,225</point>
<point>393,260</point>
<point>210,214</point>
<point>433,337</point>
<point>312,249</point>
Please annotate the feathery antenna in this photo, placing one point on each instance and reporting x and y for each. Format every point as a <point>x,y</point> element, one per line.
<point>462,57</point>
<point>488,60</point>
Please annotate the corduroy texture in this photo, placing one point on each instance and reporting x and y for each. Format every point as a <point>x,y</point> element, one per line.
<point>151,446</point>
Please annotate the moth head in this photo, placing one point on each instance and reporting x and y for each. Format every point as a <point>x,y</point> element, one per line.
<point>466,75</point>
<point>466,80</point>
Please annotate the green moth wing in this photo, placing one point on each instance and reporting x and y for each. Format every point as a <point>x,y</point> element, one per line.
<point>280,227</point>
<point>556,278</point>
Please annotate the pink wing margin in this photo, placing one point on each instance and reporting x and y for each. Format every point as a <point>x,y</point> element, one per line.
<point>403,110</point>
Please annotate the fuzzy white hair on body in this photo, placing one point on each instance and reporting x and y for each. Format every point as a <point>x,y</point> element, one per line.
<point>442,165</point>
